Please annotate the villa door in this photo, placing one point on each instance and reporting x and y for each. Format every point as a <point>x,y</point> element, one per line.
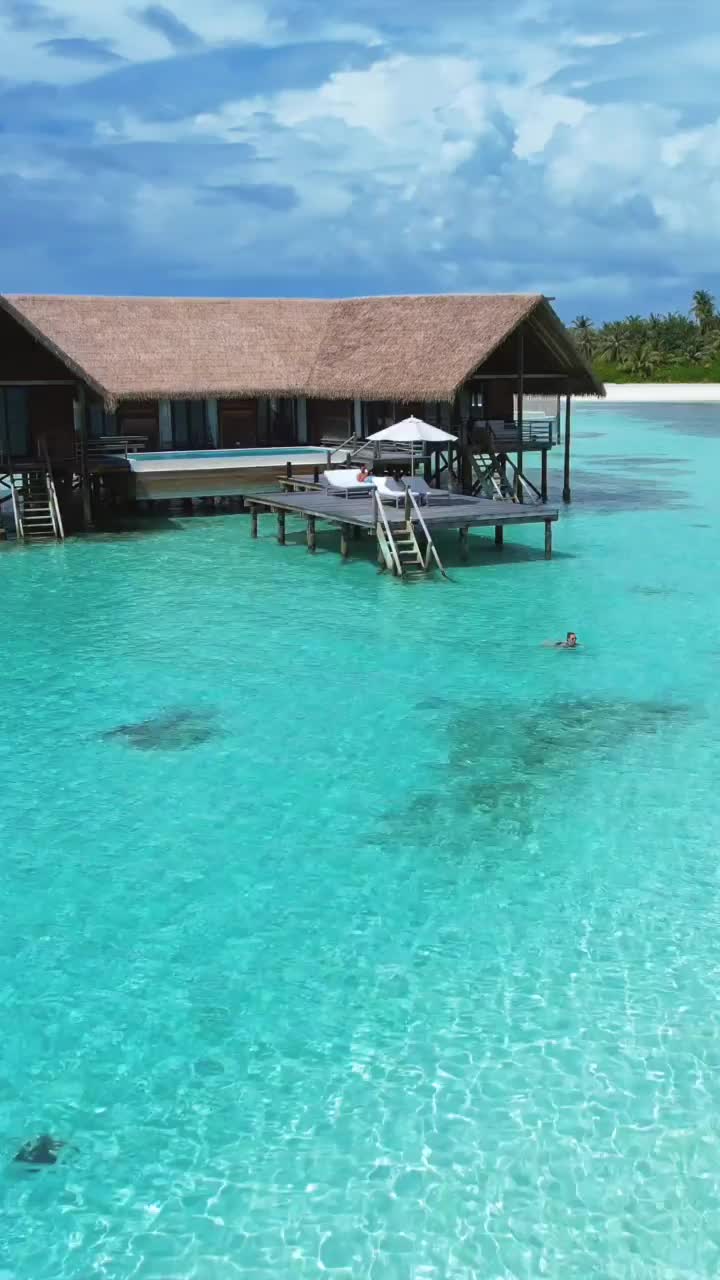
<point>238,423</point>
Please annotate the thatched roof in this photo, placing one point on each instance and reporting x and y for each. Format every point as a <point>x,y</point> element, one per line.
<point>402,348</point>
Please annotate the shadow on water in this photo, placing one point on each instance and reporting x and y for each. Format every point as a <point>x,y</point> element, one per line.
<point>500,766</point>
<point>132,529</point>
<point>609,493</point>
<point>482,549</point>
<point>647,462</point>
<point>653,591</point>
<point>169,731</point>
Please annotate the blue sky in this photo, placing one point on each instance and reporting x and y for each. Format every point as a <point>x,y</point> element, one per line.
<point>371,146</point>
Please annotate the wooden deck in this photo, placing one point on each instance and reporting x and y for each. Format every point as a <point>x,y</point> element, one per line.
<point>446,513</point>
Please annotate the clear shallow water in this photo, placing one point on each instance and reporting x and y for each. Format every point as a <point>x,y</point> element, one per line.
<point>381,941</point>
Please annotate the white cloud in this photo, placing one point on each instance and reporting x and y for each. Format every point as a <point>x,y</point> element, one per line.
<point>603,40</point>
<point>119,28</point>
<point>478,153</point>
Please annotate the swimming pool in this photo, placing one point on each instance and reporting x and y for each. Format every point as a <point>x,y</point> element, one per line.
<point>310,452</point>
<point>345,926</point>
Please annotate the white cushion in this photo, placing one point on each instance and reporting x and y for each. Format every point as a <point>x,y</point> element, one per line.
<point>345,478</point>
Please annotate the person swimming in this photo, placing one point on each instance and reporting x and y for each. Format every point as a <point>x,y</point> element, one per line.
<point>570,641</point>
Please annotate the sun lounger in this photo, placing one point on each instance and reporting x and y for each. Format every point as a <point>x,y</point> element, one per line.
<point>389,490</point>
<point>344,483</point>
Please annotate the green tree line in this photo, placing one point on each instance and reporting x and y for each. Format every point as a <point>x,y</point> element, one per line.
<point>660,348</point>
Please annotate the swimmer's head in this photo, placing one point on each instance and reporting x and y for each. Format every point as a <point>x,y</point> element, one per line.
<point>571,639</point>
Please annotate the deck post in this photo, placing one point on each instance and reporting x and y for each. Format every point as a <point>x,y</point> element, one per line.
<point>544,475</point>
<point>499,535</point>
<point>520,408</point>
<point>566,494</point>
<point>311,533</point>
<point>464,542</point>
<point>316,475</point>
<point>281,525</point>
<point>288,470</point>
<point>548,539</point>
<point>253,520</point>
<point>344,541</point>
<point>81,421</point>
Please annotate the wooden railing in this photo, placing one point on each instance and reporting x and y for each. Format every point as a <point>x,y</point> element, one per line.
<point>536,433</point>
<point>412,507</point>
<point>385,536</point>
<point>55,514</point>
<point>19,530</point>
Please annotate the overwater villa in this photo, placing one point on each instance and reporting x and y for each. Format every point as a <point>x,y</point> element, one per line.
<point>112,399</point>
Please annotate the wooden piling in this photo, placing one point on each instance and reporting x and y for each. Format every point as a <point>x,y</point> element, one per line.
<point>288,470</point>
<point>566,494</point>
<point>520,410</point>
<point>548,539</point>
<point>499,535</point>
<point>311,542</point>
<point>281,524</point>
<point>344,541</point>
<point>253,520</point>
<point>544,475</point>
<point>316,475</point>
<point>464,542</point>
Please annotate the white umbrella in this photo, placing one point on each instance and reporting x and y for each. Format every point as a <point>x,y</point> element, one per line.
<point>413,431</point>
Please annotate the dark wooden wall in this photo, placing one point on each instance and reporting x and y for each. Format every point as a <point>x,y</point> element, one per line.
<point>50,410</point>
<point>499,400</point>
<point>139,418</point>
<point>328,417</point>
<point>23,358</point>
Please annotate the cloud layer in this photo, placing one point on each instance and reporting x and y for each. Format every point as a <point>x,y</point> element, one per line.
<point>265,148</point>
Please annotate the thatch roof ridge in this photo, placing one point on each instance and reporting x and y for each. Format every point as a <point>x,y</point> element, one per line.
<point>393,347</point>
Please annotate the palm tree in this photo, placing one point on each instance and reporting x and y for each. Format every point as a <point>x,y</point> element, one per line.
<point>643,360</point>
<point>710,349</point>
<point>703,310</point>
<point>584,336</point>
<point>614,344</point>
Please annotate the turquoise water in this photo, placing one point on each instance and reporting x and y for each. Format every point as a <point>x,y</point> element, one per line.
<point>346,929</point>
<point>189,454</point>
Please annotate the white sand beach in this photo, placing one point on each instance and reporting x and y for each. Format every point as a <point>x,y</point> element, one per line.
<point>662,393</point>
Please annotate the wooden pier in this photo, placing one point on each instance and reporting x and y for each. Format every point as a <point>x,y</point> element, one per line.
<point>363,514</point>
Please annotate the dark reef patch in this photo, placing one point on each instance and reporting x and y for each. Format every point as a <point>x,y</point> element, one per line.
<point>503,766</point>
<point>170,731</point>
